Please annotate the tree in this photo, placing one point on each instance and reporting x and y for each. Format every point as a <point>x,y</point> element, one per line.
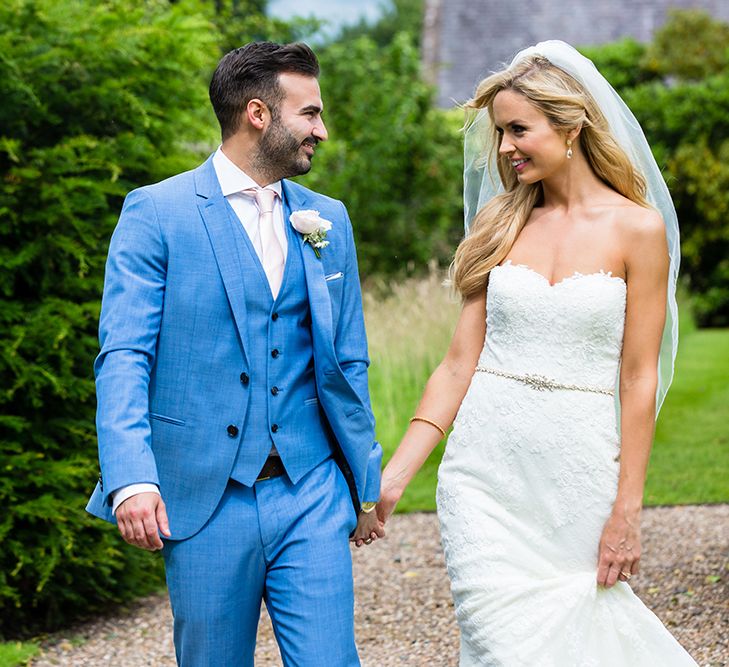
<point>98,97</point>
<point>682,105</point>
<point>700,40</point>
<point>240,21</point>
<point>620,63</point>
<point>394,159</point>
<point>397,16</point>
<point>700,188</point>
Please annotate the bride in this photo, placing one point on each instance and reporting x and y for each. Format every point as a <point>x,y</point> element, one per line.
<point>558,365</point>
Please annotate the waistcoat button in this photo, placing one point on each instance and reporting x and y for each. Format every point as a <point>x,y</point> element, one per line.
<point>274,391</point>
<point>274,317</point>
<point>244,379</point>
<point>274,428</point>
<point>275,353</point>
<point>232,430</point>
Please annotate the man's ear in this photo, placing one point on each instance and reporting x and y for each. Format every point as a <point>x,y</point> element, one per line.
<point>257,113</point>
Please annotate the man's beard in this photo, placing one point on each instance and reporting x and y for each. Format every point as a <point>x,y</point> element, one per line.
<point>279,153</point>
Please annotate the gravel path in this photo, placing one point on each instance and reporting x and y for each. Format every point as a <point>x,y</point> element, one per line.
<point>404,614</point>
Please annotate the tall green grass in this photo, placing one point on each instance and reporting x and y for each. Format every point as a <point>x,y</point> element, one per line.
<point>14,654</point>
<point>409,330</point>
<point>410,326</point>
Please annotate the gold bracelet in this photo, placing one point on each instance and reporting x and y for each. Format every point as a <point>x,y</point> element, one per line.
<point>428,421</point>
<point>368,507</point>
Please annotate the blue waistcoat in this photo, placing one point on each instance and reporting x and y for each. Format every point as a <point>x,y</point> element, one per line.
<point>182,359</point>
<point>283,406</point>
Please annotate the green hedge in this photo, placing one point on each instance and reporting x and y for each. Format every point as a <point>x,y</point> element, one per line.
<point>100,97</point>
<point>683,106</point>
<point>96,99</point>
<point>395,160</point>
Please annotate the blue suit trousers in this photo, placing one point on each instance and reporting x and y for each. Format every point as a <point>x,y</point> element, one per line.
<point>279,542</point>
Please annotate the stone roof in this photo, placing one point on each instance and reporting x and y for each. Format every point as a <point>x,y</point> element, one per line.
<point>465,40</point>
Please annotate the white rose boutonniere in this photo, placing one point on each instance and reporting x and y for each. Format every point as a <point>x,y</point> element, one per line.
<point>312,227</point>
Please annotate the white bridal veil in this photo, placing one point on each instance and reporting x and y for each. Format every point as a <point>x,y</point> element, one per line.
<point>482,181</point>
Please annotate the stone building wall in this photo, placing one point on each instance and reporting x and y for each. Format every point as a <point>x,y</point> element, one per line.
<point>465,40</point>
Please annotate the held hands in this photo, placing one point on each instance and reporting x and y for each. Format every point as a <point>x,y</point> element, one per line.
<point>371,525</point>
<point>141,518</point>
<point>369,528</point>
<point>619,555</point>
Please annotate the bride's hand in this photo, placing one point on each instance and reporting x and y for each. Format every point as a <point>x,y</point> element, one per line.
<point>392,487</point>
<point>389,497</point>
<point>619,554</point>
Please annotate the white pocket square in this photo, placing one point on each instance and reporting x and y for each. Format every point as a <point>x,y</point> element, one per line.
<point>333,276</point>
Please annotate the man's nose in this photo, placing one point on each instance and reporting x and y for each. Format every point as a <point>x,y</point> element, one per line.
<point>320,131</point>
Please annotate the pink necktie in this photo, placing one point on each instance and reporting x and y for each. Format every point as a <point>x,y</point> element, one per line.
<point>273,257</point>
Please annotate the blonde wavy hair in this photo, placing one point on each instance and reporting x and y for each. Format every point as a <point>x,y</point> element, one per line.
<point>567,106</point>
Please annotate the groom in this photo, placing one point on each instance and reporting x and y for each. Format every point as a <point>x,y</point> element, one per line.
<point>233,411</point>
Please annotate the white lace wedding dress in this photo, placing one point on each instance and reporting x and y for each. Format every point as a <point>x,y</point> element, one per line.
<point>528,480</point>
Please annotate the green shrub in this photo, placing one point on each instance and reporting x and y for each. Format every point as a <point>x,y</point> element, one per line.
<point>701,193</point>
<point>16,654</point>
<point>395,161</point>
<point>683,107</point>
<point>700,40</point>
<point>97,97</point>
<point>620,63</point>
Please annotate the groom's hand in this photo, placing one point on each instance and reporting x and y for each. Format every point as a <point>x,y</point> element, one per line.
<point>141,518</point>
<point>369,528</point>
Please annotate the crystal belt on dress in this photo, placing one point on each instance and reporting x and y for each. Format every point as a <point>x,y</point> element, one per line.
<point>541,383</point>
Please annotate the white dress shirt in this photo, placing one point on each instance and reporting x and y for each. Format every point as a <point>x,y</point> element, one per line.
<point>232,181</point>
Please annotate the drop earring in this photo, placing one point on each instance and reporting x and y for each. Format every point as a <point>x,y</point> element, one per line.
<point>569,149</point>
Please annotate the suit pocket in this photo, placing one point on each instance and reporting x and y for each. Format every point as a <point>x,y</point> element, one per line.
<point>335,287</point>
<point>166,419</point>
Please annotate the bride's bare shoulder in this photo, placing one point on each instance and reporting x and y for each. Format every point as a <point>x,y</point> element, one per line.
<point>630,219</point>
<point>642,239</point>
<point>640,223</point>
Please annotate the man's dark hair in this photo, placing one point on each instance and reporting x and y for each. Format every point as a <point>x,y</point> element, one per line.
<point>251,72</point>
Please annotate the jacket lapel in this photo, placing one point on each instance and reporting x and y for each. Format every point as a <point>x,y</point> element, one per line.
<point>214,211</point>
<point>319,300</point>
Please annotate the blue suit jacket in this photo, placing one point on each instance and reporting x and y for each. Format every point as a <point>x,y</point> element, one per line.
<point>173,342</point>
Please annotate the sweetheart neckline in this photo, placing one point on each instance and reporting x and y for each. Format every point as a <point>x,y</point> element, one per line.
<point>575,276</point>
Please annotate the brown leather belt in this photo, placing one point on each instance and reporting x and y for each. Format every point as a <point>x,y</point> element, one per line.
<point>273,467</point>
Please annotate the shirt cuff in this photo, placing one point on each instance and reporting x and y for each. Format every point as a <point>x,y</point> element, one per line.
<point>126,492</point>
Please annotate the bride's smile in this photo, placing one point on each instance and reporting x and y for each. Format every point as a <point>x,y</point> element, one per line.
<point>534,148</point>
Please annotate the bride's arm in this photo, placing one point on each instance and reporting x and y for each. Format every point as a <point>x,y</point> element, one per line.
<point>440,403</point>
<point>647,276</point>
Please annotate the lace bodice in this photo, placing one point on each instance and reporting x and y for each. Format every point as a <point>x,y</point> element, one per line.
<point>571,331</point>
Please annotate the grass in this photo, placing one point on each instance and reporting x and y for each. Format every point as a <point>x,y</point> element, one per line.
<point>409,329</point>
<point>690,460</point>
<point>15,654</point>
<point>410,326</point>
